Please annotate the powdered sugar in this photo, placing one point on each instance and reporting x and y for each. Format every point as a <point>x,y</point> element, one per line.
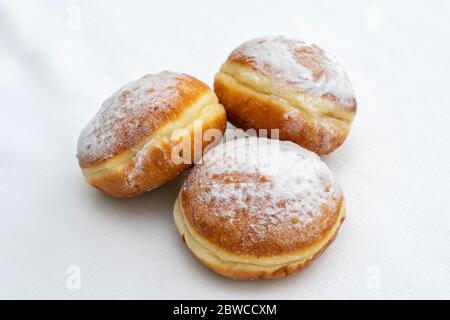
<point>298,64</point>
<point>276,183</point>
<point>125,117</point>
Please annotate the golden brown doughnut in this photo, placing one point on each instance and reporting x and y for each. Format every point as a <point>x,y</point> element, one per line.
<point>286,84</point>
<point>259,208</point>
<point>126,148</point>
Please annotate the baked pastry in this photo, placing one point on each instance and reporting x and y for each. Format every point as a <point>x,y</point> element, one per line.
<point>287,84</point>
<point>127,147</point>
<point>259,208</point>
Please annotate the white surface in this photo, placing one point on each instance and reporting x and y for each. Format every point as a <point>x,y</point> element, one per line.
<point>56,69</point>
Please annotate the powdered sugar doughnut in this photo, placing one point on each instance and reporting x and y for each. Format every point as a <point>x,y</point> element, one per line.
<point>126,148</point>
<point>287,84</point>
<point>259,208</point>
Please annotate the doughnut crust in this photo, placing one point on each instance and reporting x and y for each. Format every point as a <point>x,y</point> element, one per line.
<point>287,84</point>
<point>126,149</point>
<point>257,208</point>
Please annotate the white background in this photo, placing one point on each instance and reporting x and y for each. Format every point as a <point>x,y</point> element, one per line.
<point>60,59</point>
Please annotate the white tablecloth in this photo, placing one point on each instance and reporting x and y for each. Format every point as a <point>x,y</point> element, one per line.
<point>60,238</point>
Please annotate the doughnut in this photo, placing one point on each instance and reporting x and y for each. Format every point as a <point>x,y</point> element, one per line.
<point>127,148</point>
<point>289,85</point>
<point>258,208</point>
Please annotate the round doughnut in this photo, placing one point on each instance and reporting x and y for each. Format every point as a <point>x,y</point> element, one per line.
<point>289,85</point>
<point>127,147</point>
<point>258,208</point>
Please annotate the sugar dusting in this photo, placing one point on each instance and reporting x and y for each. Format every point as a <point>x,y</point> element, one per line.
<point>125,117</point>
<point>298,64</point>
<point>271,184</point>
